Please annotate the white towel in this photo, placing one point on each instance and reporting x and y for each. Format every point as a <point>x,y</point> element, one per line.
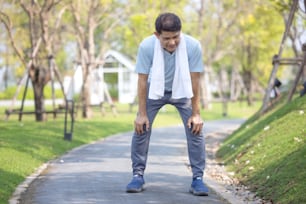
<point>157,82</point>
<point>181,87</point>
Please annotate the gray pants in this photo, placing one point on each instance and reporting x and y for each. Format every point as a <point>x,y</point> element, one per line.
<point>195,143</point>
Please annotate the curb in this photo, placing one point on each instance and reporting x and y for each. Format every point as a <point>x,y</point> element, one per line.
<point>21,188</point>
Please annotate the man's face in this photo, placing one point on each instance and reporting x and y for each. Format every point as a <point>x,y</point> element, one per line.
<point>169,40</point>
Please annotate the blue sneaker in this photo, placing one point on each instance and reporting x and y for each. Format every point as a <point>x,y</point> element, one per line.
<point>136,185</point>
<point>198,188</point>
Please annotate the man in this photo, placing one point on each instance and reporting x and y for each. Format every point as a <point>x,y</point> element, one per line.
<point>168,66</point>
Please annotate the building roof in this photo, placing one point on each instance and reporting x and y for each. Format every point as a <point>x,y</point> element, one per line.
<point>112,55</point>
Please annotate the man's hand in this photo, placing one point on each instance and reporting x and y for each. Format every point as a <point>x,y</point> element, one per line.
<point>141,124</point>
<point>196,123</point>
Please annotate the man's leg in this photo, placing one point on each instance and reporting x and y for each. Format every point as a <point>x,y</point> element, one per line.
<point>195,143</point>
<point>140,143</point>
<point>196,149</point>
<point>140,148</point>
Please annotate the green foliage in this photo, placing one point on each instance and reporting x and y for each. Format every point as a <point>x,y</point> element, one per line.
<point>268,153</point>
<point>61,60</point>
<point>227,30</point>
<point>261,28</point>
<point>9,93</point>
<point>140,22</point>
<point>48,93</point>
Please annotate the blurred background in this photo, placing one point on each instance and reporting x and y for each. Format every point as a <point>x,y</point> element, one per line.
<point>85,50</point>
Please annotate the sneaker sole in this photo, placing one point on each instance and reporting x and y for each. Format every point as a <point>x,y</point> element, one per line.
<point>192,191</point>
<point>137,190</point>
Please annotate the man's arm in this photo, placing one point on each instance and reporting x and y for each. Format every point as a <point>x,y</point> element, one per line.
<point>195,121</point>
<point>142,118</point>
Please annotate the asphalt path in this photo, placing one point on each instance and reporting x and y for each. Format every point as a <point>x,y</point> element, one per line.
<point>99,172</point>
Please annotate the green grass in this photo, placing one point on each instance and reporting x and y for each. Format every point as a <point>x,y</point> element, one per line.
<point>268,153</point>
<point>26,145</point>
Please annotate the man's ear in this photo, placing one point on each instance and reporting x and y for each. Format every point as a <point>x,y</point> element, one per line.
<point>157,34</point>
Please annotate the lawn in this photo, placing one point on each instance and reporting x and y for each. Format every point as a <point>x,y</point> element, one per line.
<point>268,153</point>
<point>26,145</point>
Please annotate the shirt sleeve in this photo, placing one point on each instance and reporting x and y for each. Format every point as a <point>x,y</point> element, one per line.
<point>195,59</point>
<point>143,61</point>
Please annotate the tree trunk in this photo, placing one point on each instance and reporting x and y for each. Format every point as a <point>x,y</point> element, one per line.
<point>39,101</point>
<point>204,92</point>
<point>39,78</point>
<point>248,81</point>
<point>86,109</point>
<point>222,91</point>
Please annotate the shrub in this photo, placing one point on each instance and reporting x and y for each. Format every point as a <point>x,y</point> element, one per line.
<point>9,93</point>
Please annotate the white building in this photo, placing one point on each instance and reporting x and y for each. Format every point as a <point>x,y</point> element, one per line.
<point>122,70</point>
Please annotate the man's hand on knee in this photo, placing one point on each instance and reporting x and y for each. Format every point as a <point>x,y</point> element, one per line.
<point>141,124</point>
<point>195,123</point>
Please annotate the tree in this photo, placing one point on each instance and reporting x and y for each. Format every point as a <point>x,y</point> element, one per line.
<point>39,48</point>
<point>259,31</point>
<point>94,22</point>
<point>292,31</point>
<point>215,27</point>
<point>238,35</point>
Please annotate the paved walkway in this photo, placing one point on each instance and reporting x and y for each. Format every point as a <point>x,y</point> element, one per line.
<point>99,172</point>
